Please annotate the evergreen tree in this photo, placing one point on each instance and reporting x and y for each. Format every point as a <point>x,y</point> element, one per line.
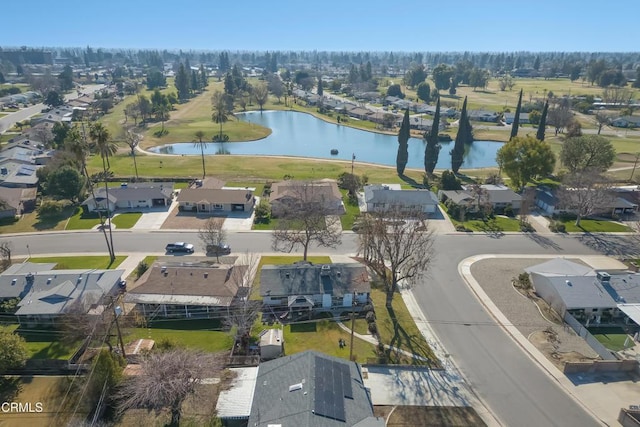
<point>543,122</point>
<point>516,119</point>
<point>320,89</point>
<point>403,144</point>
<point>204,79</point>
<point>195,82</point>
<point>187,69</point>
<point>229,85</point>
<point>182,83</point>
<point>457,154</point>
<point>432,149</point>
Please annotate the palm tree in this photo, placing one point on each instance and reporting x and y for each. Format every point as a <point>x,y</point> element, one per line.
<point>200,142</point>
<point>102,139</point>
<point>221,110</point>
<point>78,146</point>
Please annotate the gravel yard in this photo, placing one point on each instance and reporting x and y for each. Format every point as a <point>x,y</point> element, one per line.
<point>186,220</point>
<point>495,276</point>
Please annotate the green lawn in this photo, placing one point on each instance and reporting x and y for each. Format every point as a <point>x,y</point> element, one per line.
<point>126,220</point>
<point>281,260</point>
<point>82,221</point>
<point>612,338</point>
<point>323,335</point>
<point>201,334</point>
<point>595,226</point>
<point>33,222</point>
<point>45,343</point>
<point>352,212</point>
<point>49,390</point>
<point>498,224</point>
<point>406,336</point>
<point>271,225</point>
<point>81,262</point>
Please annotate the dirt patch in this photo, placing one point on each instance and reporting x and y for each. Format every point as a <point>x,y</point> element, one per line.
<point>547,342</point>
<point>186,220</point>
<point>421,416</point>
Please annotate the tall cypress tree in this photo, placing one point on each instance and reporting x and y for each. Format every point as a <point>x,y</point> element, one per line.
<point>457,154</point>
<point>403,144</point>
<point>432,150</point>
<point>182,83</point>
<point>516,119</point>
<point>543,122</point>
<point>320,88</point>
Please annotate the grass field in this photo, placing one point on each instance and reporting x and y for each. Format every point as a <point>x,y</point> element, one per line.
<point>81,262</point>
<point>126,220</point>
<point>201,334</point>
<point>612,338</point>
<point>82,221</point>
<point>352,212</point>
<point>45,343</point>
<point>49,390</point>
<point>33,222</point>
<point>595,226</point>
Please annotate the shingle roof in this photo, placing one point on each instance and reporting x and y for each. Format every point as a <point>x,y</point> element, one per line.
<point>194,285</point>
<point>136,191</point>
<point>308,279</point>
<point>500,193</point>
<point>560,267</point>
<point>215,195</point>
<point>310,389</point>
<point>381,194</point>
<point>327,190</point>
<point>581,292</point>
<point>457,196</point>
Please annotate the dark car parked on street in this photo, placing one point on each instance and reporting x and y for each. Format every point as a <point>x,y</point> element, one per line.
<point>179,247</point>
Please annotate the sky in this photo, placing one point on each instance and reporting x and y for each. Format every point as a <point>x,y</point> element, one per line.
<point>329,25</point>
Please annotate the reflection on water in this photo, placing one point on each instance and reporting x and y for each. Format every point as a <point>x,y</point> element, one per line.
<point>299,134</point>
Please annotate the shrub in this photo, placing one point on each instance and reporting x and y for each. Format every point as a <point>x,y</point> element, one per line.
<point>49,208</point>
<point>508,211</point>
<point>373,328</point>
<point>449,181</point>
<point>263,212</point>
<point>523,281</point>
<point>141,269</point>
<point>461,227</point>
<point>526,227</point>
<point>371,317</point>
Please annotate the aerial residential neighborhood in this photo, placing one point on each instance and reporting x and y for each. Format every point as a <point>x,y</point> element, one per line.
<point>336,227</point>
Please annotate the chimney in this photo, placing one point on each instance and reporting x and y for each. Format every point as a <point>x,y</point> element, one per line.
<point>206,274</point>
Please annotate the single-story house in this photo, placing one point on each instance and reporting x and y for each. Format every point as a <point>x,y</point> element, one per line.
<point>131,196</point>
<point>510,117</point>
<point>18,174</point>
<point>483,115</point>
<point>175,290</point>
<point>216,200</point>
<point>304,288</point>
<point>46,294</point>
<point>359,113</point>
<point>15,201</point>
<point>285,195</point>
<point>498,196</point>
<point>311,389</point>
<point>501,196</point>
<point>626,122</point>
<point>616,203</point>
<point>546,200</point>
<point>592,297</point>
<point>383,197</point>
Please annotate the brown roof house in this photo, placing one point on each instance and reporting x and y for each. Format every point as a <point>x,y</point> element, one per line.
<point>216,200</point>
<point>15,201</point>
<point>176,290</point>
<point>285,195</point>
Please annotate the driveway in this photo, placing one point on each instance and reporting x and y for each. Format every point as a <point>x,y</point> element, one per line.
<point>240,221</point>
<point>153,218</point>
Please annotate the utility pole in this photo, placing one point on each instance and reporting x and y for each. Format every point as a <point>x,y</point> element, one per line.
<point>353,158</point>
<point>635,163</point>
<point>353,324</point>
<point>115,314</point>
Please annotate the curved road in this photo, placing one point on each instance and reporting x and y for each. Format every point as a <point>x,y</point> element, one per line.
<point>513,386</point>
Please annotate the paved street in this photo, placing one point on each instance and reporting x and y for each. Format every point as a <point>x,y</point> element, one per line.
<point>510,383</point>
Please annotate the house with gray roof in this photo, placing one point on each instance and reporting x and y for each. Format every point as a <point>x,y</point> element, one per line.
<point>510,117</point>
<point>216,200</point>
<point>199,290</point>
<point>385,197</point>
<point>131,196</point>
<point>498,196</point>
<point>483,115</point>
<point>303,288</point>
<point>626,122</point>
<point>591,297</point>
<point>46,294</point>
<point>311,389</point>
<point>17,174</point>
<point>15,201</point>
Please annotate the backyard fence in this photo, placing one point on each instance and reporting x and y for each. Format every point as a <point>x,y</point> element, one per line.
<point>596,345</point>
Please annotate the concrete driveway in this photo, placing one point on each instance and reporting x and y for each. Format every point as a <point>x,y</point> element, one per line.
<point>153,218</point>
<point>240,221</point>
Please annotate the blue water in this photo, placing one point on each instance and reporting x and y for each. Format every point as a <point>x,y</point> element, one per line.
<point>299,134</point>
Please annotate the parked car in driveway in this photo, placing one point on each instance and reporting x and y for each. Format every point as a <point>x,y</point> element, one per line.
<point>179,247</point>
<point>217,250</point>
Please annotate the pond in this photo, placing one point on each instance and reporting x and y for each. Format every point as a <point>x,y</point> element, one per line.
<point>300,134</point>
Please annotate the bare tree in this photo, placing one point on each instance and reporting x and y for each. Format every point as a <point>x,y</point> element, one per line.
<point>166,379</point>
<point>601,119</point>
<point>617,95</point>
<point>308,218</point>
<point>397,246</point>
<point>242,313</point>
<point>44,134</point>
<point>213,236</point>
<point>132,139</point>
<point>261,93</point>
<point>560,117</point>
<point>5,255</point>
<point>586,193</point>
